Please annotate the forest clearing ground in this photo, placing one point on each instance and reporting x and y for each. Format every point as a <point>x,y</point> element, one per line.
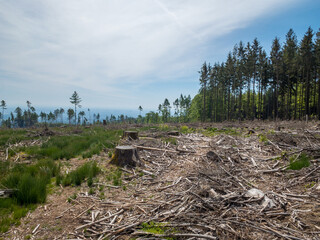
<point>199,187</point>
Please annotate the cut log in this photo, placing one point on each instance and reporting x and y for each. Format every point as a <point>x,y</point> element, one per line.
<point>4,193</point>
<point>131,135</point>
<point>126,156</point>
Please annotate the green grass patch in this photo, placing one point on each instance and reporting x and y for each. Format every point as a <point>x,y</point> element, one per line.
<point>298,163</point>
<point>216,131</point>
<point>4,168</point>
<point>30,182</point>
<point>76,177</point>
<point>164,127</point>
<point>86,144</point>
<point>115,177</point>
<point>170,140</point>
<point>12,136</point>
<point>11,213</point>
<point>186,129</point>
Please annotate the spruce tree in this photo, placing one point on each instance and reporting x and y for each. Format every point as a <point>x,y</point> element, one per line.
<point>317,67</point>
<point>307,64</point>
<point>204,73</point>
<point>3,105</point>
<point>76,100</point>
<point>290,68</point>
<point>276,58</point>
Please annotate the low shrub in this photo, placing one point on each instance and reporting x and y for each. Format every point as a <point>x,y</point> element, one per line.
<point>11,136</point>
<point>30,181</point>
<point>115,177</point>
<point>87,144</point>
<point>170,140</point>
<point>298,163</point>
<point>163,127</point>
<point>31,189</point>
<point>184,129</point>
<point>76,177</point>
<point>263,138</point>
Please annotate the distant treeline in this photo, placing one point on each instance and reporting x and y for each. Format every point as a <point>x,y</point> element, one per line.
<point>254,85</point>
<point>178,112</point>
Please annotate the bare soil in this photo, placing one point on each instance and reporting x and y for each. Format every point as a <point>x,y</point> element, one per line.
<point>204,187</point>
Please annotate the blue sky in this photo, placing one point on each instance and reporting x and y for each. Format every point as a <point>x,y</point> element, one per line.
<point>119,54</point>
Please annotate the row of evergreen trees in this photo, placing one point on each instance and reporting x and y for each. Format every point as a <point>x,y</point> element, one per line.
<point>254,85</point>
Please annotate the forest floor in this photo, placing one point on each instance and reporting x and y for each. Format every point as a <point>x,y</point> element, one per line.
<point>229,181</point>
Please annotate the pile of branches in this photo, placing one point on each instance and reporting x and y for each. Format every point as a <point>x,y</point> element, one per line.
<point>217,188</point>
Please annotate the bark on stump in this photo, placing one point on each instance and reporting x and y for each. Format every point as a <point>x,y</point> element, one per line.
<point>131,135</point>
<point>126,156</point>
<point>173,133</point>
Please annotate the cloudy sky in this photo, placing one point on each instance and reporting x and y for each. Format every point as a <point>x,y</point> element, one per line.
<point>120,54</point>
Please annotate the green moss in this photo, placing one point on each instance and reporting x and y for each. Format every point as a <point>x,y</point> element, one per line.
<point>310,185</point>
<point>157,228</point>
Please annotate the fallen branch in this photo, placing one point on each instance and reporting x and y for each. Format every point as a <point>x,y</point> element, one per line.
<point>100,220</point>
<point>84,211</point>
<point>165,150</point>
<point>192,235</point>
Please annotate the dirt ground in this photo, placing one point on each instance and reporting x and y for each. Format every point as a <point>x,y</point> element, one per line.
<point>232,185</point>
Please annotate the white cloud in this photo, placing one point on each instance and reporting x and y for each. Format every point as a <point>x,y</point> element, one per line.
<point>95,44</point>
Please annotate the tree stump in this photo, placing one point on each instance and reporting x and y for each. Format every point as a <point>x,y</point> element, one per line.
<point>126,156</point>
<point>173,133</point>
<point>131,135</point>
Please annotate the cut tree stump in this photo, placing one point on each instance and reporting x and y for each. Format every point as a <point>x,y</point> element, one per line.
<point>173,133</point>
<point>126,156</point>
<point>131,135</point>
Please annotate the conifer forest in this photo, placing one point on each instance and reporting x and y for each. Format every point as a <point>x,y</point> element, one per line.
<point>252,83</point>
